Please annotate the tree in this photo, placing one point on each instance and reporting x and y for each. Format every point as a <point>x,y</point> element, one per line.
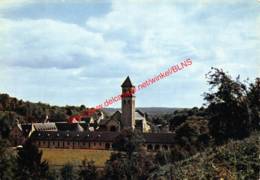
<point>128,141</point>
<point>67,172</point>
<point>131,162</point>
<point>254,103</point>
<point>120,167</point>
<point>163,157</point>
<point>191,137</point>
<point>7,162</point>
<point>30,164</point>
<point>4,100</point>
<point>7,121</point>
<point>227,106</point>
<point>116,167</point>
<point>88,170</point>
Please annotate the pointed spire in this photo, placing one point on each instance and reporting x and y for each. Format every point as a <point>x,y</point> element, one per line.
<point>127,83</point>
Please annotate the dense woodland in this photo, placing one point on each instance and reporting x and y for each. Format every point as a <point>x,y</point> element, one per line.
<point>220,139</point>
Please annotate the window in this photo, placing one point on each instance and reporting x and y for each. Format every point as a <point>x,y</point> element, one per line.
<point>157,147</point>
<point>165,147</point>
<point>149,147</point>
<point>112,128</point>
<point>107,146</point>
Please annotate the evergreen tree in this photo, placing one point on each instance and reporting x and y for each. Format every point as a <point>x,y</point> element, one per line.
<point>29,163</point>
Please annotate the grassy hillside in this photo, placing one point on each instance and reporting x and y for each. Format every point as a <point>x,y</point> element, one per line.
<point>232,161</point>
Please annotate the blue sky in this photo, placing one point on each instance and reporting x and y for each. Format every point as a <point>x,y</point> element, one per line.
<point>79,51</point>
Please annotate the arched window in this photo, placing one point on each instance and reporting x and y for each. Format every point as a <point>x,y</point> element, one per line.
<point>157,147</point>
<point>165,147</point>
<point>150,147</point>
<point>113,128</point>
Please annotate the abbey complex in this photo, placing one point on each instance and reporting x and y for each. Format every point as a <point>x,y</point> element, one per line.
<point>96,131</point>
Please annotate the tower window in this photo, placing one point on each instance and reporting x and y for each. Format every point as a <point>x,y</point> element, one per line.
<point>128,101</point>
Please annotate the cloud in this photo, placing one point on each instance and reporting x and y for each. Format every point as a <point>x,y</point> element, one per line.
<point>134,38</point>
<point>11,4</point>
<point>46,43</point>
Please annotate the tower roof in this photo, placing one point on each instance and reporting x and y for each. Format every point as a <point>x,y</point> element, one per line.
<point>127,83</point>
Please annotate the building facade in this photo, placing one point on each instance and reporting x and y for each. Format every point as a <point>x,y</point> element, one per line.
<point>97,140</point>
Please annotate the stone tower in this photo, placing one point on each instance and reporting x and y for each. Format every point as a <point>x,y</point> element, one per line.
<point>128,104</point>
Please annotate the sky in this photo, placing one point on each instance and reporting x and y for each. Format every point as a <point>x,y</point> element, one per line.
<point>73,52</point>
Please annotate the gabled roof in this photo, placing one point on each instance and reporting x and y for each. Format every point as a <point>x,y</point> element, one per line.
<point>127,83</point>
<point>45,126</point>
<point>117,113</point>
<point>104,121</point>
<point>138,115</point>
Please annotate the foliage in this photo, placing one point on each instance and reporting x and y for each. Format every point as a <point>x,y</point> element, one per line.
<point>191,137</point>
<point>30,164</point>
<point>235,160</point>
<point>36,112</point>
<point>7,161</point>
<point>7,121</point>
<point>128,141</point>
<point>67,172</point>
<point>254,103</point>
<point>88,170</point>
<point>228,107</point>
<point>138,166</point>
<point>131,162</point>
<point>163,157</point>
